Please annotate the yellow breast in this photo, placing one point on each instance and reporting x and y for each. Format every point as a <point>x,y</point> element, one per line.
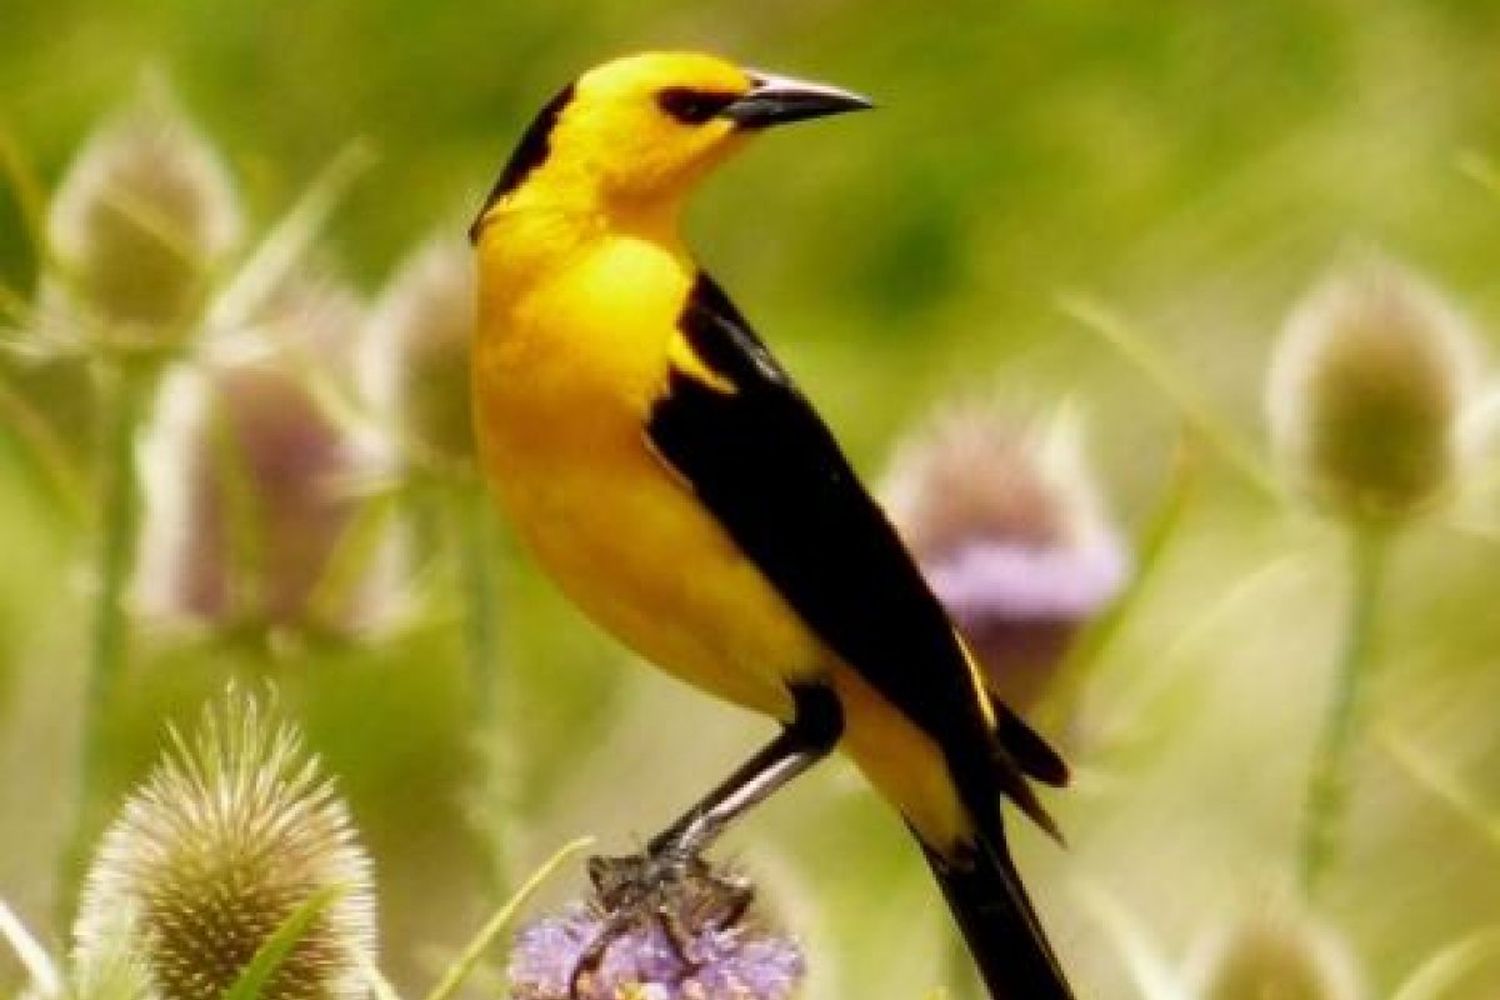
<point>566,375</point>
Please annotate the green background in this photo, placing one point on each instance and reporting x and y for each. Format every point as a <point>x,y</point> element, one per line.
<point>1193,166</point>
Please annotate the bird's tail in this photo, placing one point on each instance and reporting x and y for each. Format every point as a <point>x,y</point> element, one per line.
<point>1005,937</point>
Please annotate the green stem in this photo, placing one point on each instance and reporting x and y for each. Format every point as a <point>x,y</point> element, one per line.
<point>1328,787</point>
<point>481,607</point>
<point>480,588</point>
<point>128,392</point>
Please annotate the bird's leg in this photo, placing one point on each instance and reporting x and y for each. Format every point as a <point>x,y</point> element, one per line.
<point>670,877</point>
<point>810,736</point>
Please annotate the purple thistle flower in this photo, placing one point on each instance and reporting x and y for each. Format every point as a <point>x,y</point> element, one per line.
<point>1011,536</point>
<point>738,962</point>
<point>255,478</point>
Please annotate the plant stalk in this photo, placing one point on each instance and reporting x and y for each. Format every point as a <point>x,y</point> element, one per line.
<point>129,385</point>
<point>475,542</point>
<point>1331,778</point>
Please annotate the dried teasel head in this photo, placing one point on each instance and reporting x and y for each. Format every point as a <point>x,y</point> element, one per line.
<point>1365,392</point>
<point>1266,959</point>
<point>233,830</point>
<point>141,219</point>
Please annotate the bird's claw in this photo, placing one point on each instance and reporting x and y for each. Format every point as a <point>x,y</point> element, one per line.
<point>677,890</point>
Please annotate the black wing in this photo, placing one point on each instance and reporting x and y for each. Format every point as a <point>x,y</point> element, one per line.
<point>763,461</point>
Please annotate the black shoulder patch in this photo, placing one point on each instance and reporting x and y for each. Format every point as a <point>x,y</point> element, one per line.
<point>723,338</point>
<point>530,153</point>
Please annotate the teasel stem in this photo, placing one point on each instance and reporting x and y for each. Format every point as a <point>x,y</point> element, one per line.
<point>476,543</point>
<point>474,539</point>
<point>1328,787</point>
<point>129,383</point>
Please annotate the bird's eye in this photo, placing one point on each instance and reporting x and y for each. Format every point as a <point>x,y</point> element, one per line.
<point>693,107</point>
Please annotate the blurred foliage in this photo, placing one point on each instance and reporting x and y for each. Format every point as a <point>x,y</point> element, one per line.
<point>1192,166</point>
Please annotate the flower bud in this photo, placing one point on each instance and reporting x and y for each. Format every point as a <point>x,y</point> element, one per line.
<point>254,478</point>
<point>231,832</point>
<point>1364,393</point>
<point>417,350</point>
<point>141,218</point>
<point>1266,960</point>
<point>1011,535</point>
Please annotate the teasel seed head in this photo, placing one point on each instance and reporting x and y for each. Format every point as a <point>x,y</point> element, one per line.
<point>1365,392</point>
<point>142,217</point>
<point>115,967</point>
<point>233,830</point>
<point>1269,959</point>
<point>417,350</point>
<point>1011,534</point>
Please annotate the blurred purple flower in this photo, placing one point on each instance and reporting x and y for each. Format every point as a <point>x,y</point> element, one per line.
<point>255,477</point>
<point>739,962</point>
<point>1011,534</point>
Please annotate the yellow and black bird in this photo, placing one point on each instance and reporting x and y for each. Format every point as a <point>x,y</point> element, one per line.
<point>667,472</point>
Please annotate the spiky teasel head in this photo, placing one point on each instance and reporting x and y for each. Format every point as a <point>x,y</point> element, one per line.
<point>142,217</point>
<point>233,830</point>
<point>1012,536</point>
<point>1268,958</point>
<point>255,477</point>
<point>417,349</point>
<point>115,968</point>
<point>1365,391</point>
<point>697,940</point>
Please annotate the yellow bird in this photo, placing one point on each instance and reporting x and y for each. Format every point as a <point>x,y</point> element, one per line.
<point>667,472</point>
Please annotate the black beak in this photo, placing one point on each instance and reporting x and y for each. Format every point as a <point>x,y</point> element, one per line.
<point>780,100</point>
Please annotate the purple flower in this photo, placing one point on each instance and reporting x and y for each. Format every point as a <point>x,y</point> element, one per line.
<point>255,481</point>
<point>1011,536</point>
<point>736,962</point>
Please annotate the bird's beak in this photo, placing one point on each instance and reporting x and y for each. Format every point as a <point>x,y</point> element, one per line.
<point>780,100</point>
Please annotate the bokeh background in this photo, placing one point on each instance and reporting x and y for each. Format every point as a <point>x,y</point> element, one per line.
<point>1049,194</point>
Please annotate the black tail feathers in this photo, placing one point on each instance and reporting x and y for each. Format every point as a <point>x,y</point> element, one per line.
<point>1005,937</point>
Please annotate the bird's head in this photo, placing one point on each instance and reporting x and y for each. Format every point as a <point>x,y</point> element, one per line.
<point>637,132</point>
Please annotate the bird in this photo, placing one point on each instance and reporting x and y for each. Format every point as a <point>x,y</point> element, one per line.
<point>669,475</point>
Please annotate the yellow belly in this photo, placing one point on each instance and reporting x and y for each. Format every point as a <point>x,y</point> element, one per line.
<point>565,380</point>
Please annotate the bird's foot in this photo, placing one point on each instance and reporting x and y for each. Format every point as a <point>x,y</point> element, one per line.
<point>675,889</point>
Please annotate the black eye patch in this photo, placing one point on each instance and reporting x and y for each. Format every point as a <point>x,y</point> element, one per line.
<point>694,107</point>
